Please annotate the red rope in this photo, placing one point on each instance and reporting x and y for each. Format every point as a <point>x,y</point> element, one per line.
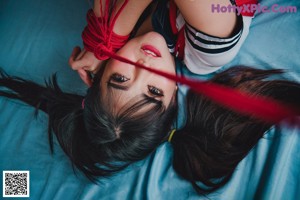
<point>180,42</point>
<point>104,43</point>
<point>98,35</point>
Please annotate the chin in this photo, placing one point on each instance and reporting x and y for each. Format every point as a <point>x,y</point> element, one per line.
<point>154,38</point>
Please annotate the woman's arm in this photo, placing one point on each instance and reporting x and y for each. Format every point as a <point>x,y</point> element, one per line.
<point>128,17</point>
<point>199,14</point>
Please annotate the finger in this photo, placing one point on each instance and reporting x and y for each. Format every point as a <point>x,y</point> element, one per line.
<point>79,61</point>
<point>74,55</point>
<point>80,55</point>
<point>76,60</point>
<point>85,77</point>
<point>94,68</point>
<point>76,51</point>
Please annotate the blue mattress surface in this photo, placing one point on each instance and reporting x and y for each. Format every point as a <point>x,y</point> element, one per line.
<point>37,37</point>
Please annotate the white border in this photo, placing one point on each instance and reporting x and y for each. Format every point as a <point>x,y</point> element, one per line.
<point>28,182</point>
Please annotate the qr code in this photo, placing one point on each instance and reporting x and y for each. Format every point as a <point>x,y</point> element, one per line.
<point>15,183</point>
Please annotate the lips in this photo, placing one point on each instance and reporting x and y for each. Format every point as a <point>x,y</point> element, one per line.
<point>150,50</point>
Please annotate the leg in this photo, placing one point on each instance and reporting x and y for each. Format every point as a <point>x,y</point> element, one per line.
<point>198,13</point>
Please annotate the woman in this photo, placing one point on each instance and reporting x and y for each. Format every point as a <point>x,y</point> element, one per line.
<point>130,127</point>
<point>100,140</point>
<point>214,139</point>
<point>203,39</point>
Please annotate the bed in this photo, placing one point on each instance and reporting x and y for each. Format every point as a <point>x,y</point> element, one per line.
<point>36,38</point>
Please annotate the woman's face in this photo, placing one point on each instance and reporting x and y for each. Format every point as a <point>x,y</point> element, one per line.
<point>128,81</point>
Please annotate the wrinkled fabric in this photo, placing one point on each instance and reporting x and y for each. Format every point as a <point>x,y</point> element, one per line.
<point>37,37</point>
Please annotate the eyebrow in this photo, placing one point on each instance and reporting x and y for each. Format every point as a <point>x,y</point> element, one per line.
<point>118,87</point>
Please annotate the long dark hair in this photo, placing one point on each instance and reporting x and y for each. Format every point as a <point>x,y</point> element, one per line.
<point>97,142</point>
<point>215,139</point>
<point>207,149</point>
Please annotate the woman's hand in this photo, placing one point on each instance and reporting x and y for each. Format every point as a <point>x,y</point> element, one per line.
<point>84,62</point>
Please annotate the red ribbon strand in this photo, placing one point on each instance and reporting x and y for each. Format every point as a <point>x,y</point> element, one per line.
<point>98,37</point>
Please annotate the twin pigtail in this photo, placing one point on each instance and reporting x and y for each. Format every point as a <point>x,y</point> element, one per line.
<point>215,139</point>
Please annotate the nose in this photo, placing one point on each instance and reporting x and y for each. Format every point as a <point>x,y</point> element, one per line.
<point>142,75</point>
<point>141,71</point>
<point>143,62</point>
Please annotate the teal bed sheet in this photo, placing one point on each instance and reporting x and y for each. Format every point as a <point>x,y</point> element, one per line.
<point>36,38</point>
